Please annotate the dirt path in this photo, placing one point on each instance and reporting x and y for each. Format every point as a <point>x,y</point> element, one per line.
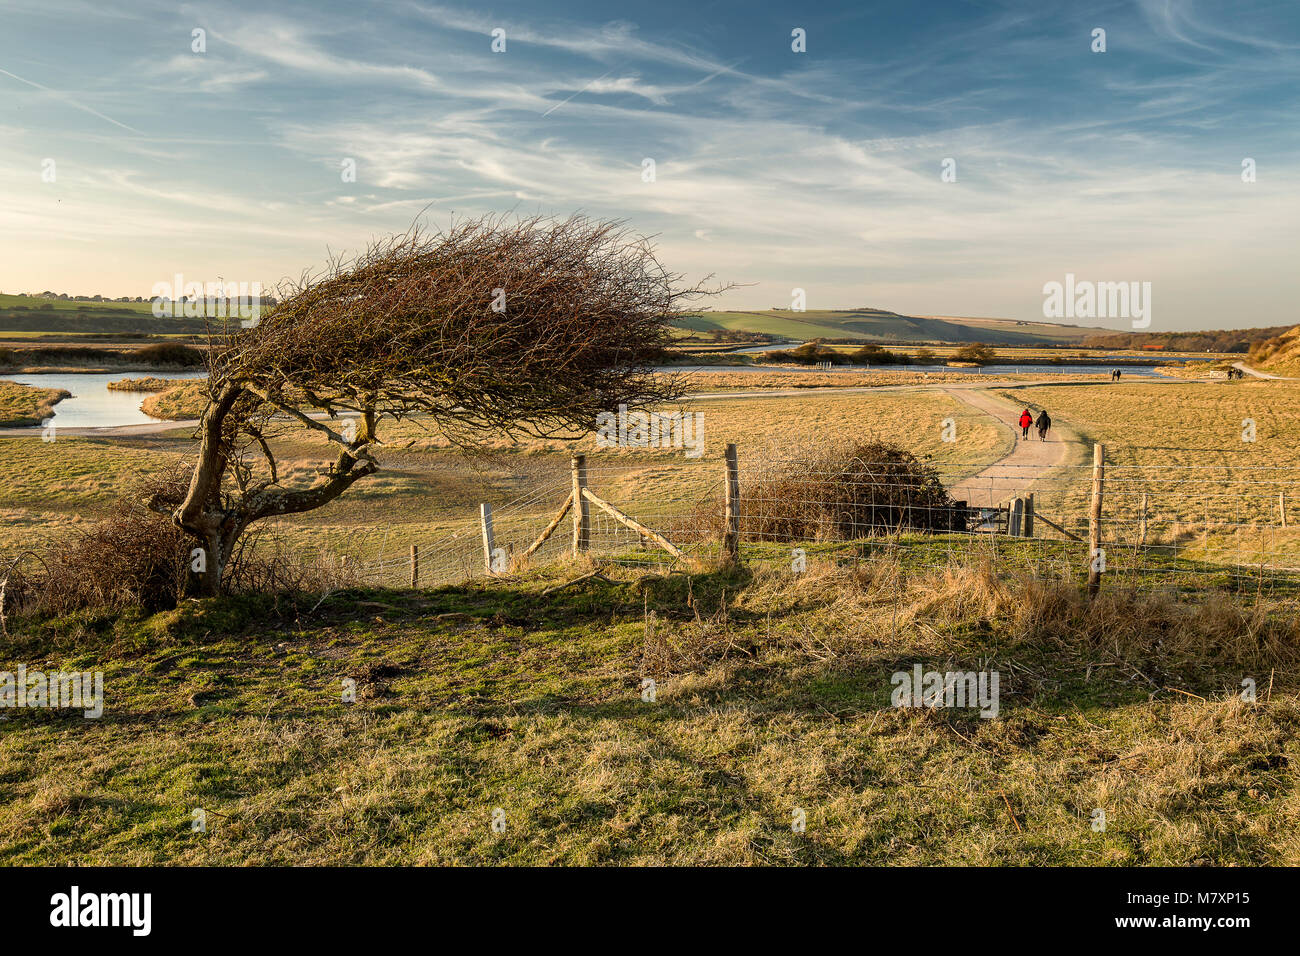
<point>1254,374</point>
<point>1028,460</point>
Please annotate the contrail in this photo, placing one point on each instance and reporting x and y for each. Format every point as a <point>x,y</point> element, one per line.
<point>579,93</point>
<point>70,101</point>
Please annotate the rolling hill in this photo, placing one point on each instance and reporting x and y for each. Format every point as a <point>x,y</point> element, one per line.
<point>880,325</point>
<point>30,314</point>
<point>1279,355</point>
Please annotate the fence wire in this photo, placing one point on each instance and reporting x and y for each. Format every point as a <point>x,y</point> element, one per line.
<point>1183,528</point>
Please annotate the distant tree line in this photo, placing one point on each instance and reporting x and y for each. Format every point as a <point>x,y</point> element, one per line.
<point>1222,340</point>
<point>816,352</point>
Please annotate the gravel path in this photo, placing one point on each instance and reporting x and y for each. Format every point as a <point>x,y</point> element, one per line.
<point>1028,460</point>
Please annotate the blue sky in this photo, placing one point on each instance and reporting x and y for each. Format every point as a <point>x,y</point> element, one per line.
<point>773,169</point>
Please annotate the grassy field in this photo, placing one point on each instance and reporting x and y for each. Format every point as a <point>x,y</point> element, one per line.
<point>773,689</point>
<point>26,315</point>
<point>428,489</point>
<point>26,405</point>
<point>1182,445</point>
<point>772,696</point>
<point>179,402</point>
<point>882,325</point>
<point>31,303</point>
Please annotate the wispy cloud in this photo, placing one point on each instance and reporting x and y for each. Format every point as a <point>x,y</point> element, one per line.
<point>819,170</point>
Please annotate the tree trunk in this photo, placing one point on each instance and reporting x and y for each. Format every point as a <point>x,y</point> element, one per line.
<point>216,521</point>
<point>208,582</point>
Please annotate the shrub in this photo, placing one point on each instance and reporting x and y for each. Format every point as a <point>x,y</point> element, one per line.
<point>169,353</point>
<point>845,492</point>
<point>978,352</point>
<point>872,354</point>
<point>810,353</point>
<point>131,557</point>
<point>832,493</point>
<point>136,557</point>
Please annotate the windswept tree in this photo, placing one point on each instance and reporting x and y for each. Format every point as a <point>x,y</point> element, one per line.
<point>529,327</point>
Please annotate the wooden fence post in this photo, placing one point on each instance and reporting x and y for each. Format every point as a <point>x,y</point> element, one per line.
<point>1029,515</point>
<point>415,565</point>
<point>1281,506</point>
<point>581,507</point>
<point>1142,522</point>
<point>731,517</point>
<point>485,519</point>
<point>1015,517</point>
<point>1094,518</point>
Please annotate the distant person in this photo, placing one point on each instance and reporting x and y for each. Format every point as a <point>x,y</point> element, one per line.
<point>1026,420</point>
<point>1117,374</point>
<point>1044,423</point>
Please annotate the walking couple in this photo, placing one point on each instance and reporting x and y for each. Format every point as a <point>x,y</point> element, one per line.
<point>1043,422</point>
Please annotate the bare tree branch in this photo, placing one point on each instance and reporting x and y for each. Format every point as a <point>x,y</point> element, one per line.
<point>529,327</point>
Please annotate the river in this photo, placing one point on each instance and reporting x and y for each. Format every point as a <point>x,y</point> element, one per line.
<point>93,404</point>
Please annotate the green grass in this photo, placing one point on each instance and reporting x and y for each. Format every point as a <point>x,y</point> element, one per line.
<point>60,305</point>
<point>773,693</point>
<point>26,315</point>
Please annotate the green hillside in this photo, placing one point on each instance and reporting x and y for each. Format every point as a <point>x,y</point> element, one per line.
<point>29,314</point>
<point>884,326</point>
<point>33,303</point>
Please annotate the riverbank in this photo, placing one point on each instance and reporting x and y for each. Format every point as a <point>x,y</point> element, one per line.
<point>67,359</point>
<point>88,399</point>
<point>22,406</point>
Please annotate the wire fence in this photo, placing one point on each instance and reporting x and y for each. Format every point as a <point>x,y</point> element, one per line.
<point>1185,528</point>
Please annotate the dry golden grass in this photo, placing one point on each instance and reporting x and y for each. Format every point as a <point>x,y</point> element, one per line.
<point>22,405</point>
<point>427,489</point>
<point>152,384</point>
<point>778,377</point>
<point>1197,370</point>
<point>1281,357</point>
<point>1182,444</point>
<point>176,402</point>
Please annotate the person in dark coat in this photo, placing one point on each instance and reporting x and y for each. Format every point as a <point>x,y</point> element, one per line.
<point>1044,423</point>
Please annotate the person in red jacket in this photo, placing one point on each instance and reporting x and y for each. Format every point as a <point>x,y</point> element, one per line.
<point>1026,420</point>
